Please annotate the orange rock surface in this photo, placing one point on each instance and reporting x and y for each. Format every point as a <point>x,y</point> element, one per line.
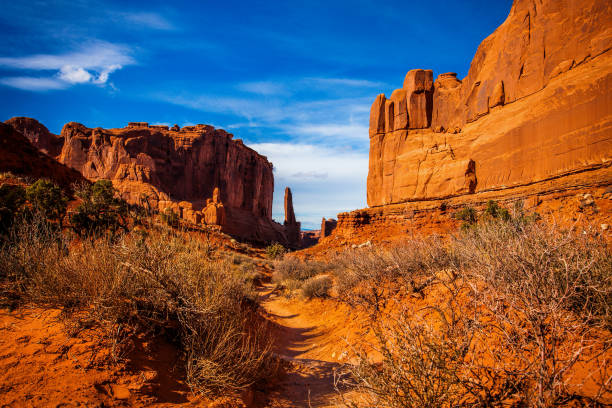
<point>19,156</point>
<point>176,169</point>
<point>535,106</point>
<point>531,121</point>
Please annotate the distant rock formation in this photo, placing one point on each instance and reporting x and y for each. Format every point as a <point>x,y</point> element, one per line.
<point>536,105</point>
<point>200,172</point>
<point>19,156</point>
<point>310,238</point>
<point>292,227</point>
<point>327,227</point>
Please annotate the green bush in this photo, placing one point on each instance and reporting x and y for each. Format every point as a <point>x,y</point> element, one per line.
<point>48,199</point>
<point>468,215</point>
<point>100,210</point>
<point>276,251</point>
<point>494,210</point>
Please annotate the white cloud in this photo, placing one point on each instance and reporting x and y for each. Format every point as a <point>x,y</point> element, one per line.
<point>97,55</point>
<point>333,121</point>
<point>344,132</point>
<point>147,19</point>
<point>103,77</point>
<point>91,64</point>
<point>33,83</point>
<point>74,75</point>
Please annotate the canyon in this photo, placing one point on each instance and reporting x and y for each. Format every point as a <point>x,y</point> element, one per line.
<point>198,172</point>
<point>532,119</point>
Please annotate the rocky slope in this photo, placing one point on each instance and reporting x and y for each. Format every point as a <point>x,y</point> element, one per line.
<point>20,157</point>
<point>199,172</point>
<point>535,108</point>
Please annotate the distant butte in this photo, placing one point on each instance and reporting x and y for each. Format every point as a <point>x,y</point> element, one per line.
<point>200,172</point>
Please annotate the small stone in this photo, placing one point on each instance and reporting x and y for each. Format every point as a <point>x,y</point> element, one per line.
<point>120,392</point>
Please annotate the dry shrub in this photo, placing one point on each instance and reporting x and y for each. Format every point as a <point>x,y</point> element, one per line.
<point>317,286</point>
<point>162,283</point>
<point>291,268</point>
<point>292,274</point>
<point>521,318</point>
<point>369,276</point>
<point>548,292</point>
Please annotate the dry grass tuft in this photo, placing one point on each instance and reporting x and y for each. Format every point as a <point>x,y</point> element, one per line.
<point>521,317</point>
<point>317,286</point>
<point>159,283</point>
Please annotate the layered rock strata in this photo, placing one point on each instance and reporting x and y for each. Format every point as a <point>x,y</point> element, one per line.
<point>531,122</point>
<point>536,105</point>
<point>199,172</point>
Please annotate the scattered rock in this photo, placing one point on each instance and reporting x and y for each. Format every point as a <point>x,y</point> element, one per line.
<point>365,244</point>
<point>120,392</point>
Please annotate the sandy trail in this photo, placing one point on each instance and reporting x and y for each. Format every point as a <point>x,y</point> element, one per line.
<point>305,339</point>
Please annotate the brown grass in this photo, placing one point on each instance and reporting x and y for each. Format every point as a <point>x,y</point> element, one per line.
<point>511,314</point>
<point>160,283</point>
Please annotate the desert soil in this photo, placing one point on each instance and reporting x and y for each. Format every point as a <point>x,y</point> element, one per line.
<point>45,360</point>
<point>312,338</point>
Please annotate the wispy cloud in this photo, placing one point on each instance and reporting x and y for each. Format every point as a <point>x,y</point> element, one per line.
<point>93,63</point>
<point>343,131</point>
<point>338,120</point>
<point>344,82</point>
<point>146,19</point>
<point>263,87</point>
<point>33,83</point>
<point>97,54</point>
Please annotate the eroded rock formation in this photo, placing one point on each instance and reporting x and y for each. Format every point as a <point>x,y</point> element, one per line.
<point>214,212</point>
<point>327,227</point>
<point>536,105</point>
<point>531,122</point>
<point>199,172</point>
<point>20,157</point>
<point>292,227</point>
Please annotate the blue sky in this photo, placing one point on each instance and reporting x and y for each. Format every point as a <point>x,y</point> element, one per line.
<point>293,79</point>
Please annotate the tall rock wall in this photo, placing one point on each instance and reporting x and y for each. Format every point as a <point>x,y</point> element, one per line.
<point>536,105</point>
<point>200,172</point>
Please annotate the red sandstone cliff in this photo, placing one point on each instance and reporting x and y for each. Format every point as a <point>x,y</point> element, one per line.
<point>533,116</point>
<point>19,156</point>
<point>535,105</point>
<point>200,172</point>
